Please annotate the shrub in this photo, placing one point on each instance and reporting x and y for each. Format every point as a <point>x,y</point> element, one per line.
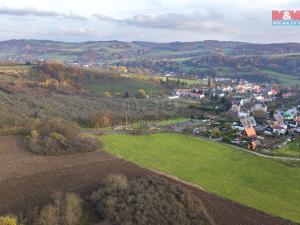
<point>8,220</point>
<point>57,137</point>
<point>107,94</point>
<point>116,182</point>
<point>68,129</point>
<point>141,93</point>
<point>14,131</point>
<point>34,134</point>
<point>216,132</point>
<point>65,210</point>
<point>48,216</point>
<point>147,200</point>
<point>143,201</point>
<point>72,209</point>
<point>100,120</point>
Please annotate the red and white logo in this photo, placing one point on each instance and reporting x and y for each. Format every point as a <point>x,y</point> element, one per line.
<point>286,17</point>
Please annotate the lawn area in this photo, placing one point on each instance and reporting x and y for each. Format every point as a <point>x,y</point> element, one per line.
<point>120,86</point>
<point>291,149</point>
<point>265,184</point>
<point>282,77</point>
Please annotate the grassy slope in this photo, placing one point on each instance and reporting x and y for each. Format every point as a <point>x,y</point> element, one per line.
<point>122,85</point>
<point>261,183</point>
<point>282,77</point>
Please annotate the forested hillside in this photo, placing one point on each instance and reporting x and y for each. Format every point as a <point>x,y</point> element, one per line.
<point>256,62</point>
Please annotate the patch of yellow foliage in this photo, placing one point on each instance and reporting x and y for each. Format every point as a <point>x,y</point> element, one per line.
<point>7,220</point>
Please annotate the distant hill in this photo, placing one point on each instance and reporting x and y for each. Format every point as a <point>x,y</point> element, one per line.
<point>105,50</point>
<point>278,62</point>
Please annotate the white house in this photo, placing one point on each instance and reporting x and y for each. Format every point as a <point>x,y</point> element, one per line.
<point>259,107</point>
<point>174,97</point>
<point>243,114</point>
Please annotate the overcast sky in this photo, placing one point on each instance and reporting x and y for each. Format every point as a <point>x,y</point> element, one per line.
<point>145,20</point>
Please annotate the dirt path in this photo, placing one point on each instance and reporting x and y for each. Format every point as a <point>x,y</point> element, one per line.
<point>254,153</point>
<point>27,181</point>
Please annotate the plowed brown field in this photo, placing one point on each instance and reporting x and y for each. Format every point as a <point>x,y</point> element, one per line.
<point>28,180</point>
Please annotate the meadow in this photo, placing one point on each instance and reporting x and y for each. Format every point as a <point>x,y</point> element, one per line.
<point>282,77</point>
<point>123,85</point>
<point>265,184</point>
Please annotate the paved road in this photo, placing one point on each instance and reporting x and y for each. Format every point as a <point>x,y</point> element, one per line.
<point>102,131</point>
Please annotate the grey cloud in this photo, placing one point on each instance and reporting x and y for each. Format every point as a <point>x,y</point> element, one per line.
<point>107,18</point>
<point>173,21</point>
<point>204,21</point>
<point>39,13</point>
<point>75,16</point>
<point>27,12</point>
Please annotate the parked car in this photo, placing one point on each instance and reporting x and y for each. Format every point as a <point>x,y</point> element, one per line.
<point>238,125</point>
<point>268,131</point>
<point>196,131</point>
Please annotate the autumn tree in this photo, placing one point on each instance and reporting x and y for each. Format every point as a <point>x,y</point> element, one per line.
<point>100,120</point>
<point>65,210</point>
<point>8,220</point>
<point>105,120</point>
<point>215,132</point>
<point>95,120</point>
<point>48,216</point>
<point>72,210</point>
<point>141,93</point>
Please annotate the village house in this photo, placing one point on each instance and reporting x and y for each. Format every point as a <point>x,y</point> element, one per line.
<point>252,145</point>
<point>227,89</point>
<point>288,95</point>
<point>245,101</point>
<point>250,134</point>
<point>290,114</point>
<point>278,119</point>
<point>272,92</point>
<point>235,108</point>
<point>259,107</point>
<point>248,122</point>
<point>256,88</point>
<point>260,98</point>
<point>269,99</point>
<point>297,119</point>
<point>280,130</point>
<point>291,123</point>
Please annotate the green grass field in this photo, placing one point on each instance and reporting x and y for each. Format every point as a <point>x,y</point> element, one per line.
<point>120,86</point>
<point>264,184</point>
<point>282,77</point>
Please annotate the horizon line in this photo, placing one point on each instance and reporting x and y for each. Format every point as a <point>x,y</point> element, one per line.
<point>154,42</point>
